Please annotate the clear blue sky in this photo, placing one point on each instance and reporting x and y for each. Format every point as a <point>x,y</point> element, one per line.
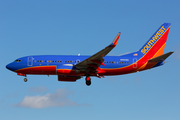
<point>68,27</point>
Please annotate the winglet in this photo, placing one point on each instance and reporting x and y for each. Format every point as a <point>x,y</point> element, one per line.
<point>115,41</point>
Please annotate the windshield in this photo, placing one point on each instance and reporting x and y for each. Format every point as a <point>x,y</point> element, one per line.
<point>17,61</point>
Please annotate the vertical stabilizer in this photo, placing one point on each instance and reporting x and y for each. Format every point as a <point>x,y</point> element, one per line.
<point>155,45</point>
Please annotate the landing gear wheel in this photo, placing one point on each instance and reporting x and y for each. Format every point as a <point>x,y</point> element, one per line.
<point>88,81</point>
<point>25,79</point>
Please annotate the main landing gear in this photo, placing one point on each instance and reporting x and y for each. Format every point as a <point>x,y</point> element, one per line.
<point>88,81</point>
<point>25,79</point>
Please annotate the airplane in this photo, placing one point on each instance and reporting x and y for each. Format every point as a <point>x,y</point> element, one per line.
<point>71,68</point>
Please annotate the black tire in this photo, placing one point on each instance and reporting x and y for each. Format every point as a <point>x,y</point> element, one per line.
<point>88,83</point>
<point>25,79</point>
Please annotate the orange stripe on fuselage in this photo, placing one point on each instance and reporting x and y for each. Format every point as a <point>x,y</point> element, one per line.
<point>150,65</point>
<point>160,51</point>
<point>156,50</point>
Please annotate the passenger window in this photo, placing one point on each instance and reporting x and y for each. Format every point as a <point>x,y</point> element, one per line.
<point>114,62</point>
<point>42,60</point>
<point>72,61</point>
<point>47,60</point>
<point>35,61</point>
<point>117,62</point>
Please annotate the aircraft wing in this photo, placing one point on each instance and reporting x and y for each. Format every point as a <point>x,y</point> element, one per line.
<point>93,62</point>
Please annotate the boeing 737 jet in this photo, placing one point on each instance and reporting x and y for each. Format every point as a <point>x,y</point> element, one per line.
<point>71,68</point>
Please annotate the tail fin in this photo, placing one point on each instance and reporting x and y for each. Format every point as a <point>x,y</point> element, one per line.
<point>154,47</point>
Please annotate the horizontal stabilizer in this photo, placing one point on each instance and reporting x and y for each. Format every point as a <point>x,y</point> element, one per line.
<point>161,58</point>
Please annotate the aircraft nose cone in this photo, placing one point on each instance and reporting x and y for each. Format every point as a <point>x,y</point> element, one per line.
<point>9,66</point>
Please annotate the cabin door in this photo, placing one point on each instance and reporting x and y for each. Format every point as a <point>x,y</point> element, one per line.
<point>30,61</point>
<point>134,62</point>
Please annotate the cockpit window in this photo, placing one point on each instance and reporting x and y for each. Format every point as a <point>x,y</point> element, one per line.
<point>17,61</point>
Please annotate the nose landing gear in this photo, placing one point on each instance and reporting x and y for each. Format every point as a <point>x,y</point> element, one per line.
<point>25,79</point>
<point>88,81</point>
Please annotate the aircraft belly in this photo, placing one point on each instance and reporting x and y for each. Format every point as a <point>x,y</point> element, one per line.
<point>69,72</point>
<point>118,71</point>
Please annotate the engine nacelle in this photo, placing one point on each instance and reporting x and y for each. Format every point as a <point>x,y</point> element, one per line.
<point>68,78</point>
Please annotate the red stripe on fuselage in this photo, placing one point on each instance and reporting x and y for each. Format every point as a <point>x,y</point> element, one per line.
<point>142,62</point>
<point>154,51</point>
<point>69,72</point>
<point>40,70</point>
